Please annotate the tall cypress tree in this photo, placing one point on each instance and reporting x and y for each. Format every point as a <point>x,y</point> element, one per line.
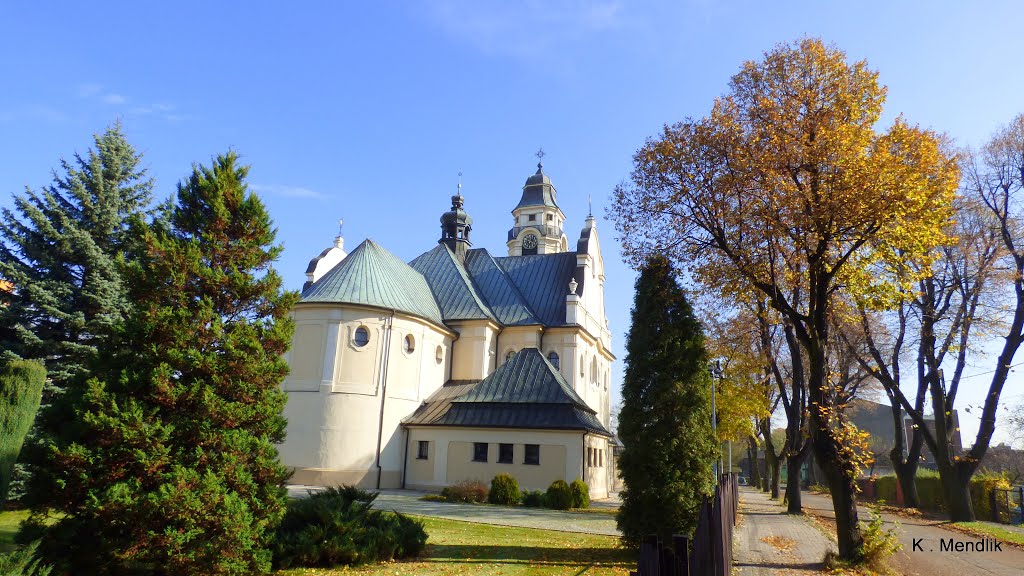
<point>58,248</point>
<point>665,422</point>
<point>171,466</point>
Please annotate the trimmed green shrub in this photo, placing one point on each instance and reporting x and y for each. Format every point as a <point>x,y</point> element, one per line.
<point>580,494</point>
<point>466,491</point>
<point>23,562</point>
<point>338,526</point>
<point>885,488</point>
<point>21,388</point>
<point>504,490</point>
<point>929,490</point>
<point>558,496</point>
<point>533,499</point>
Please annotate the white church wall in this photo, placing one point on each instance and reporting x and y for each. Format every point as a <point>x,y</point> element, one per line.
<point>333,430</point>
<point>472,351</point>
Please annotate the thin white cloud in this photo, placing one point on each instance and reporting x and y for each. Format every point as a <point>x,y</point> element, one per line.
<point>289,191</point>
<point>113,98</point>
<point>528,29</point>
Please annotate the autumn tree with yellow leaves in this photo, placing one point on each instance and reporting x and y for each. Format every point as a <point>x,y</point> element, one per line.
<point>787,188</point>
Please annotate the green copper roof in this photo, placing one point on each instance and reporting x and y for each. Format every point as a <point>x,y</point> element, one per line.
<point>451,285</point>
<point>543,281</point>
<point>538,191</point>
<point>524,392</point>
<point>372,276</point>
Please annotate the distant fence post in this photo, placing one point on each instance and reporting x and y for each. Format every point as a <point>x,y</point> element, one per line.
<point>994,502</point>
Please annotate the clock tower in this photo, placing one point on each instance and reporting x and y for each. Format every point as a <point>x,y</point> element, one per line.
<point>537,227</point>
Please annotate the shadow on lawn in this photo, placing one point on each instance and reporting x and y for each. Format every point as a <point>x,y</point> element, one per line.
<point>604,557</point>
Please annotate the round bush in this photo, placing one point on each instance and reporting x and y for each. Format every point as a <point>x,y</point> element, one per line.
<point>533,499</point>
<point>580,494</point>
<point>504,490</point>
<point>558,496</point>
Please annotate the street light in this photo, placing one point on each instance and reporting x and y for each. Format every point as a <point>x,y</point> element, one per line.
<point>716,372</point>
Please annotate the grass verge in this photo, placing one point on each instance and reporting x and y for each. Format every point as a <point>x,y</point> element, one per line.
<point>9,521</point>
<point>987,529</point>
<point>456,547</point>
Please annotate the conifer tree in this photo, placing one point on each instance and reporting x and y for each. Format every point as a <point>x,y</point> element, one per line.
<point>171,466</point>
<point>21,388</point>
<point>665,422</point>
<point>57,248</point>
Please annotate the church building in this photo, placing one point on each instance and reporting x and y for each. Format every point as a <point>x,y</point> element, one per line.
<point>457,365</point>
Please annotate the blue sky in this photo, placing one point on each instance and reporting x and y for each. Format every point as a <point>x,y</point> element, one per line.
<point>368,111</point>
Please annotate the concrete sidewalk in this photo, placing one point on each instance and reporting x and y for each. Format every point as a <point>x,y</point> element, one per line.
<point>408,502</point>
<point>768,541</point>
<point>928,558</point>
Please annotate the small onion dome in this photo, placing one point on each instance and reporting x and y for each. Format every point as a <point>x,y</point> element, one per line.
<point>456,215</point>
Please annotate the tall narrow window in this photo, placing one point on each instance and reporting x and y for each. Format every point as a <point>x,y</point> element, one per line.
<point>553,358</point>
<point>504,453</point>
<point>422,450</point>
<point>532,454</point>
<point>479,451</point>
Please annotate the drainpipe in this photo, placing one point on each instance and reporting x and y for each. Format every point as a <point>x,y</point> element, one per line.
<point>497,348</point>
<point>383,388</point>
<point>405,458</point>
<point>583,459</point>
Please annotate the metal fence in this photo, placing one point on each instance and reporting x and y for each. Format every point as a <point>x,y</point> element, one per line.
<point>711,553</point>
<point>1007,505</point>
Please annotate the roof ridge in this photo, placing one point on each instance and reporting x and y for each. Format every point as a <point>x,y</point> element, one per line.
<point>474,290</point>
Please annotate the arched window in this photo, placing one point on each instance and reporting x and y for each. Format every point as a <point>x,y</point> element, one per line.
<point>593,371</point>
<point>439,354</point>
<point>409,344</point>
<point>553,358</point>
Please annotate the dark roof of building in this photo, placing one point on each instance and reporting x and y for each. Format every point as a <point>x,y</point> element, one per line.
<point>538,190</point>
<point>502,295</point>
<point>448,280</point>
<point>524,392</point>
<point>372,276</point>
<point>543,281</point>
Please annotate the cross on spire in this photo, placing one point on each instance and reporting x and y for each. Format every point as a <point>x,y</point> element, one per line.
<point>460,182</point>
<point>540,157</point>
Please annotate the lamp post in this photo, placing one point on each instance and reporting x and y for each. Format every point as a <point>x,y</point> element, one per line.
<point>716,372</point>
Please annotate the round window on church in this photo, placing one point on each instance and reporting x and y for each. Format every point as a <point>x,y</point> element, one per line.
<point>439,354</point>
<point>409,344</point>
<point>361,337</point>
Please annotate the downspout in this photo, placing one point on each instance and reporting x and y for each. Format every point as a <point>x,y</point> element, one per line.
<point>583,459</point>
<point>405,458</point>
<point>497,348</point>
<point>384,388</point>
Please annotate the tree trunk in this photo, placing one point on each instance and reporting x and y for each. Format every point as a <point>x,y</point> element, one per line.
<point>794,462</point>
<point>776,477</point>
<point>755,468</point>
<point>956,481</point>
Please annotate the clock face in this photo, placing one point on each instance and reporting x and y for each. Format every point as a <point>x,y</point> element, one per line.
<point>530,241</point>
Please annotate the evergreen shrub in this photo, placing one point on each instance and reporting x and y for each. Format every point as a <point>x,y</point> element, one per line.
<point>338,526</point>
<point>885,488</point>
<point>466,491</point>
<point>558,496</point>
<point>21,388</point>
<point>580,494</point>
<point>504,490</point>
<point>929,490</point>
<point>533,499</point>
<point>23,562</point>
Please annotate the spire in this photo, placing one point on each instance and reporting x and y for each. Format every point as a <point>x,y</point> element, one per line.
<point>339,240</point>
<point>540,160</point>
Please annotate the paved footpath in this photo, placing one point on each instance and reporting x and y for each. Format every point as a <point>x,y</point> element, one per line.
<point>928,559</point>
<point>408,502</point>
<point>768,541</point>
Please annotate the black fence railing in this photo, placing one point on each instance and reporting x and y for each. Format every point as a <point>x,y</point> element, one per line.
<point>711,553</point>
<point>1007,505</point>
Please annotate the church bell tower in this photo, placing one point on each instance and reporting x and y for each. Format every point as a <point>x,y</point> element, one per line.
<point>537,227</point>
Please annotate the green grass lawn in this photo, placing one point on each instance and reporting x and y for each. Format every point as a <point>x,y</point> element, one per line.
<point>9,521</point>
<point>456,547</point>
